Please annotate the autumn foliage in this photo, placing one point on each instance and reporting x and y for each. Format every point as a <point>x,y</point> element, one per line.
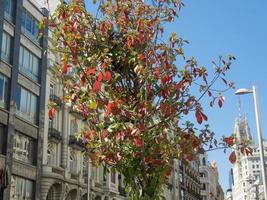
<point>135,89</point>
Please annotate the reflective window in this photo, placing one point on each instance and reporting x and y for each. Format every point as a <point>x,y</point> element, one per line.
<point>5,49</point>
<point>28,63</point>
<point>3,91</point>
<point>26,104</point>
<point>9,4</point>
<point>22,189</point>
<point>29,25</point>
<point>23,148</point>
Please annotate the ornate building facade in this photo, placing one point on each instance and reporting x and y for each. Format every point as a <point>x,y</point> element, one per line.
<point>247,177</point>
<point>42,158</point>
<point>209,178</point>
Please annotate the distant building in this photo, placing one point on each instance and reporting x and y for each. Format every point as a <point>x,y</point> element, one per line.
<point>209,179</point>
<point>247,184</point>
<point>190,180</point>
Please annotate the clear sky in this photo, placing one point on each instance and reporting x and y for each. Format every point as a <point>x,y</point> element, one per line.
<point>223,27</point>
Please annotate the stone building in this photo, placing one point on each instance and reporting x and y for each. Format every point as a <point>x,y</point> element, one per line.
<point>22,97</point>
<point>65,166</point>
<point>209,178</point>
<point>247,177</point>
<point>42,158</point>
<point>189,178</point>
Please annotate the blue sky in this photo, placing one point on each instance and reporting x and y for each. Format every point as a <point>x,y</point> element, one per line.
<point>223,27</point>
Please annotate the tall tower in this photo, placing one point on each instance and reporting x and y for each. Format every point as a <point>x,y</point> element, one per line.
<point>241,129</point>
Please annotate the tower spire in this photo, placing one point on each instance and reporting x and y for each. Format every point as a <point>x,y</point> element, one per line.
<point>239,107</point>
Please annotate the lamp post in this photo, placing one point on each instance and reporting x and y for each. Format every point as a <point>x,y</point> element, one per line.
<point>244,91</point>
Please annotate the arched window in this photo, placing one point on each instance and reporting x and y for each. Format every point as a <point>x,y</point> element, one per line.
<point>85,166</point>
<point>51,155</point>
<point>72,163</point>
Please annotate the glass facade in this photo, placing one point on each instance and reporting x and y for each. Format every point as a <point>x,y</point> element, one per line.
<point>3,91</point>
<point>26,103</point>
<point>21,188</point>
<point>5,49</point>
<point>9,9</point>
<point>23,148</point>
<point>28,63</point>
<point>29,25</point>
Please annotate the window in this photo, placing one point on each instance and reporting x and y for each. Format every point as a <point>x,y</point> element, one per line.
<point>2,139</point>
<point>52,89</point>
<point>72,163</point>
<point>204,197</point>
<point>73,127</point>
<point>29,25</point>
<point>28,63</point>
<point>3,91</point>
<point>85,166</point>
<point>203,161</point>
<point>113,176</point>
<point>5,50</point>
<point>23,148</point>
<point>22,188</point>
<point>52,155</point>
<point>203,186</point>
<point>9,5</point>
<point>26,104</point>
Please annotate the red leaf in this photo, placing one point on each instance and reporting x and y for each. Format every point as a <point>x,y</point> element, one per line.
<point>199,117</point>
<point>90,71</point>
<point>51,113</point>
<point>232,157</point>
<point>138,142</point>
<point>65,68</point>
<point>209,93</point>
<point>211,103</point>
<point>157,72</point>
<point>100,77</point>
<point>108,108</point>
<point>97,86</point>
<point>204,116</point>
<point>220,102</point>
<point>248,151</point>
<point>108,75</point>
<point>229,141</point>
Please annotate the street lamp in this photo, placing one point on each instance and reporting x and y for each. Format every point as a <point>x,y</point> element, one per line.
<point>243,91</point>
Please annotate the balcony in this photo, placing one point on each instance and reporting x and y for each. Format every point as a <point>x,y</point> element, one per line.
<point>76,142</point>
<point>122,191</point>
<point>55,99</point>
<point>54,135</point>
<point>76,113</point>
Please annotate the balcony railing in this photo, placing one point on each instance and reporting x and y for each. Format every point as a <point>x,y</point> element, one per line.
<point>76,142</point>
<point>54,134</point>
<point>55,99</point>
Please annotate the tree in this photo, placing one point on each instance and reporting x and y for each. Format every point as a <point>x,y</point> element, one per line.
<point>135,89</point>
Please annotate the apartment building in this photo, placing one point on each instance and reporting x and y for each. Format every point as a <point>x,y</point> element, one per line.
<point>66,168</point>
<point>22,98</point>
<point>209,178</point>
